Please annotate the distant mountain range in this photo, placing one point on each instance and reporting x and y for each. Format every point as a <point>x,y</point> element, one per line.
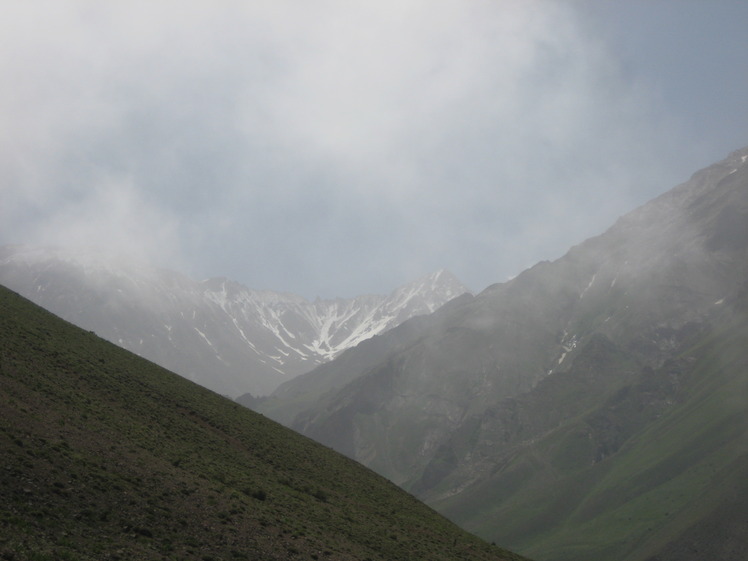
<point>594,407</point>
<point>218,333</point>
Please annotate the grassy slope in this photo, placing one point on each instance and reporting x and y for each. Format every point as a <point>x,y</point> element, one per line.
<point>685,468</point>
<point>105,455</point>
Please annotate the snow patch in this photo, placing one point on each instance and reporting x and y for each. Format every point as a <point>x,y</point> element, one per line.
<point>205,338</point>
<point>592,281</point>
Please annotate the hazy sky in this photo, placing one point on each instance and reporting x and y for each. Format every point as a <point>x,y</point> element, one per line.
<point>335,148</point>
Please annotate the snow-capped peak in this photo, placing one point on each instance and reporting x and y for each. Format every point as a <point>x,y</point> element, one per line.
<point>216,332</point>
<point>326,327</point>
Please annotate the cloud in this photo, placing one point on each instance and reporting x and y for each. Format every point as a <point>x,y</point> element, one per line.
<point>113,215</point>
<point>324,147</point>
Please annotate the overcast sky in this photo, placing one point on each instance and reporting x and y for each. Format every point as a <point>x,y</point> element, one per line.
<point>334,148</point>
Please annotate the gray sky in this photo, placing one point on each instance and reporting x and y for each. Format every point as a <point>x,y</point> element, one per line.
<point>335,148</point>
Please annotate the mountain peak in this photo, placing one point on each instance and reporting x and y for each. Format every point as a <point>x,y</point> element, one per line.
<point>427,294</point>
<point>217,332</point>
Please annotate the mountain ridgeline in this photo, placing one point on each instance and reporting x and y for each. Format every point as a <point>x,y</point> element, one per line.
<point>218,333</point>
<point>594,407</point>
<point>108,456</point>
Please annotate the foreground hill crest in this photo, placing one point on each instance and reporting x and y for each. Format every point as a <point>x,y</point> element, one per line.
<point>108,456</point>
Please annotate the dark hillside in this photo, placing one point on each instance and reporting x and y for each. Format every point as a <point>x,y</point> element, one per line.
<point>107,456</point>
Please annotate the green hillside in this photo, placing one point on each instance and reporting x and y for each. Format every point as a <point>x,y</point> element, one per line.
<point>658,471</point>
<point>107,456</point>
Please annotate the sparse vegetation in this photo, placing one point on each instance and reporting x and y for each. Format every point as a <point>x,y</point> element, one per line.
<point>107,456</point>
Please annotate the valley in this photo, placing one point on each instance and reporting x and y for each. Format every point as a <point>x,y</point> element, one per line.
<point>593,407</point>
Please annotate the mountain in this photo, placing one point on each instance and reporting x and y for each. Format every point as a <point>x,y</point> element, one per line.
<point>108,456</point>
<point>218,333</point>
<point>594,407</point>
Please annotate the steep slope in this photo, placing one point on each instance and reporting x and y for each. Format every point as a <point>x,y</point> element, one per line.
<point>217,333</point>
<point>105,455</point>
<point>497,408</point>
<point>636,475</point>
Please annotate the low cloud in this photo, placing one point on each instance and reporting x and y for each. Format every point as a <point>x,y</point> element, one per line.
<point>323,147</point>
<point>112,214</point>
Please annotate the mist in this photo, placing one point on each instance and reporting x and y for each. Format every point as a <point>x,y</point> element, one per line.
<point>329,148</point>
